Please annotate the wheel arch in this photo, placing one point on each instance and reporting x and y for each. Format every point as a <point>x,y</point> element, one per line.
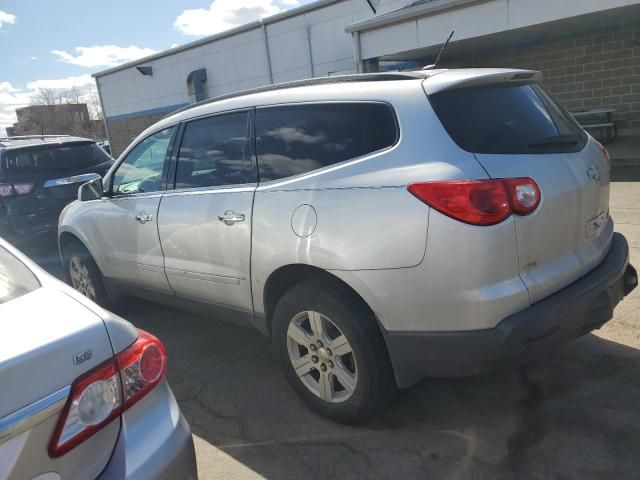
<point>66,238</point>
<point>286,277</point>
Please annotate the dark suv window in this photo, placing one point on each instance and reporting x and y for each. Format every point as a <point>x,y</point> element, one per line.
<point>15,278</point>
<point>507,118</point>
<point>215,151</point>
<point>295,139</point>
<point>66,158</point>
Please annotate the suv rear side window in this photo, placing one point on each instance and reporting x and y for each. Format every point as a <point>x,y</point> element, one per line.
<point>295,139</point>
<point>507,119</point>
<point>15,278</point>
<point>67,158</point>
<point>215,151</point>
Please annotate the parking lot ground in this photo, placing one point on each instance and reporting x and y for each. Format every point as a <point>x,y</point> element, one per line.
<point>575,415</point>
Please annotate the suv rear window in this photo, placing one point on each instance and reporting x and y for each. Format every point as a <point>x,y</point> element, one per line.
<point>295,139</point>
<point>15,278</point>
<point>65,158</point>
<point>507,118</point>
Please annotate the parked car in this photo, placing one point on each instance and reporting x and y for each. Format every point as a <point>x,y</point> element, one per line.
<point>39,176</point>
<point>84,393</point>
<point>105,146</point>
<point>381,228</point>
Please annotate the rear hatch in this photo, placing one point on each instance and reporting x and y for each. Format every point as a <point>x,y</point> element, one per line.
<point>48,340</point>
<point>36,183</point>
<point>515,129</point>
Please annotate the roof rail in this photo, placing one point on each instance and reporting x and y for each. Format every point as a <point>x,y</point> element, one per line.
<point>358,77</point>
<point>31,137</point>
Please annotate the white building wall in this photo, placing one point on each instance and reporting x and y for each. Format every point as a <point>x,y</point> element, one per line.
<point>239,61</point>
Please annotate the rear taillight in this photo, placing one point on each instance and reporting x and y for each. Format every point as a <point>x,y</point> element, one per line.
<point>142,366</point>
<point>7,190</point>
<point>102,394</point>
<point>23,188</point>
<point>480,202</point>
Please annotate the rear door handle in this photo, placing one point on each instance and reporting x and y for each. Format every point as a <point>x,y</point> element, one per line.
<point>143,218</point>
<point>230,217</point>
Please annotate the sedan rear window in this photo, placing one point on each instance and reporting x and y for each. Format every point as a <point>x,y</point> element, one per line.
<point>15,278</point>
<point>507,118</point>
<point>67,158</point>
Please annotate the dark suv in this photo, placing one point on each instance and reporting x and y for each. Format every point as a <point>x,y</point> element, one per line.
<point>39,175</point>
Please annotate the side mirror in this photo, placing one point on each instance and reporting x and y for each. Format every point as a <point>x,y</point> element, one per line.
<point>91,190</point>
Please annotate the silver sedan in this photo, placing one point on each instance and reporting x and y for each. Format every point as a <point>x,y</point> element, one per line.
<point>83,393</point>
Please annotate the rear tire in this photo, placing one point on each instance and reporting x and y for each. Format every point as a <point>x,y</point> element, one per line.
<point>83,274</point>
<point>349,384</point>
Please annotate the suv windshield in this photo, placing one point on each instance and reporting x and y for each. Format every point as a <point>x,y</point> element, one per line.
<point>507,118</point>
<point>66,158</point>
<point>15,278</point>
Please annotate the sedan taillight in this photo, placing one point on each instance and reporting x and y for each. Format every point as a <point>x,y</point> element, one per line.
<point>103,393</point>
<point>480,202</point>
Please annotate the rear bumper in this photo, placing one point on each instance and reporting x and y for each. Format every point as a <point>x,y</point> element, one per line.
<point>154,443</point>
<point>576,310</point>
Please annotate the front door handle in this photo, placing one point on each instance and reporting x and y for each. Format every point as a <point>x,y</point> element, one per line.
<point>143,218</point>
<point>230,217</point>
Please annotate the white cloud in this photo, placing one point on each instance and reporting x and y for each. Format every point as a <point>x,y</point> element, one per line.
<point>226,14</point>
<point>10,99</point>
<point>80,81</point>
<point>102,55</point>
<point>7,18</point>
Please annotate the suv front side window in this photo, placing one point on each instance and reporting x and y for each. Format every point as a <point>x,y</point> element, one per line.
<point>142,170</point>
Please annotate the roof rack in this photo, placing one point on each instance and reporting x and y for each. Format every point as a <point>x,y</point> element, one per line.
<point>31,137</point>
<point>358,77</point>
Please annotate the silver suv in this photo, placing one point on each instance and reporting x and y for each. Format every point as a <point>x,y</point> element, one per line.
<point>380,228</point>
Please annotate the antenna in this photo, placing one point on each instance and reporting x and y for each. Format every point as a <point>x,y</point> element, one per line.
<point>444,47</point>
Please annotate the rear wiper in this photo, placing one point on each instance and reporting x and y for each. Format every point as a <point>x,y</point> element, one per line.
<point>556,141</point>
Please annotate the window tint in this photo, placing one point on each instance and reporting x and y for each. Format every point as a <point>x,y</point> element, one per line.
<point>142,169</point>
<point>295,139</point>
<point>507,119</point>
<point>15,278</point>
<point>63,159</point>
<point>215,151</point>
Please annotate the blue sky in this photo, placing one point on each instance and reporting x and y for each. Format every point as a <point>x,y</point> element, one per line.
<point>58,44</point>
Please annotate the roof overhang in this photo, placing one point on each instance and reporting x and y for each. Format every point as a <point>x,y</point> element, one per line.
<point>416,10</point>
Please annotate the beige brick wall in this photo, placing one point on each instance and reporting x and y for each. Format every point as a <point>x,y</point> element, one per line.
<point>122,132</point>
<point>598,66</point>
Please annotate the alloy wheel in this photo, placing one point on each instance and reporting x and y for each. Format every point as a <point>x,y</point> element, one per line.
<point>81,279</point>
<point>322,357</point>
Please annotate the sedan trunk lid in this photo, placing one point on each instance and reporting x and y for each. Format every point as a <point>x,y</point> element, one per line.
<point>49,340</point>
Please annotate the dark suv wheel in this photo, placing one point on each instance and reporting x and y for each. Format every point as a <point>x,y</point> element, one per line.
<point>332,352</point>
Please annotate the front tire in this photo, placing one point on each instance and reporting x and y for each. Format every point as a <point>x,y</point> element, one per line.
<point>83,274</point>
<point>332,352</point>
